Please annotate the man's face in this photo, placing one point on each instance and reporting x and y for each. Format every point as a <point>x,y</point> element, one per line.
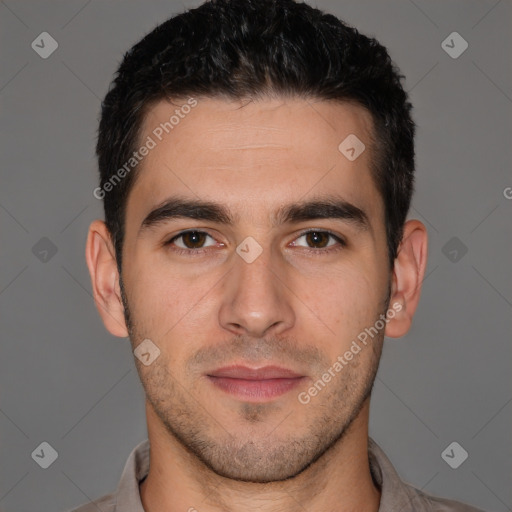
<point>284,299</point>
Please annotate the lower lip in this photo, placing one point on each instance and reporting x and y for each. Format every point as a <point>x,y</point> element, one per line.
<point>255,390</point>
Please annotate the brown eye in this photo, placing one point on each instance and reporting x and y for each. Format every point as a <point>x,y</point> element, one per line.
<point>190,240</point>
<point>193,239</point>
<point>319,242</point>
<point>317,239</point>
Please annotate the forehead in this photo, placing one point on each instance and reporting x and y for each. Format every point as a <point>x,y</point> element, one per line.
<point>254,155</point>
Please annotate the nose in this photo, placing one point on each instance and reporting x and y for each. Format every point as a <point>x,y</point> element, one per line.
<point>256,299</point>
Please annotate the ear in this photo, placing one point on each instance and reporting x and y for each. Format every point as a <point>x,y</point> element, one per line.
<point>408,273</point>
<point>101,260</point>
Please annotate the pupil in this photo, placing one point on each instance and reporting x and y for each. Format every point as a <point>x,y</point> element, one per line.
<point>196,237</point>
<point>314,236</point>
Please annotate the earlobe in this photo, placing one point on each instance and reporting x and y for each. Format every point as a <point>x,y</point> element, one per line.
<point>101,261</point>
<point>408,274</point>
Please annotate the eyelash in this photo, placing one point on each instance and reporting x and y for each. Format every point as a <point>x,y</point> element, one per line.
<point>316,252</point>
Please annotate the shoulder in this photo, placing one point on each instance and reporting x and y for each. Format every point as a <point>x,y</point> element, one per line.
<point>432,503</point>
<point>398,495</point>
<point>106,503</point>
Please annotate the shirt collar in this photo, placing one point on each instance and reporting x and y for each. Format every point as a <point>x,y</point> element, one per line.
<point>135,470</point>
<point>396,495</point>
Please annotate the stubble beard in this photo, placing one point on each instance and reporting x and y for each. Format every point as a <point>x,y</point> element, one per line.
<point>260,453</point>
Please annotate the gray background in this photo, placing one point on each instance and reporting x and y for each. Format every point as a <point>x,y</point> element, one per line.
<point>66,381</point>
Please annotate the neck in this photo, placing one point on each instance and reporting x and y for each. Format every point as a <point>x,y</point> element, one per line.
<point>339,481</point>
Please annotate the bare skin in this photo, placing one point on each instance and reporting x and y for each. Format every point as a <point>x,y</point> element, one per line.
<point>298,305</point>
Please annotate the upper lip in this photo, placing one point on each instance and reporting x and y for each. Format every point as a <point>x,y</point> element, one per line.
<point>264,373</point>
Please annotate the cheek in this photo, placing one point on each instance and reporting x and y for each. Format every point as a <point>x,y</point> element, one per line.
<point>348,301</point>
<point>169,308</point>
<point>159,291</point>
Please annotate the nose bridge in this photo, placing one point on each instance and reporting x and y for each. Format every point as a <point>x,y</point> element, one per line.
<point>255,298</point>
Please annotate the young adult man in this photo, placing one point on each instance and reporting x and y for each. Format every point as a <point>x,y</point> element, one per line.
<point>257,162</point>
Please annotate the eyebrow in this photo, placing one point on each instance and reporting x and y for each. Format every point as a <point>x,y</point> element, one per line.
<point>328,207</point>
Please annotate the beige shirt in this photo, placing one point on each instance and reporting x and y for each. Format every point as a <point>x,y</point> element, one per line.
<point>396,495</point>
